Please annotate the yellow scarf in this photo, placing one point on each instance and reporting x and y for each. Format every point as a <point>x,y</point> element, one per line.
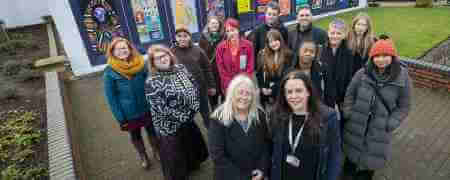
<point>127,69</point>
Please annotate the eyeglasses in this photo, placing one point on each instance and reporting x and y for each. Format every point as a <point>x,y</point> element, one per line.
<point>159,58</point>
<point>121,49</point>
<point>244,92</point>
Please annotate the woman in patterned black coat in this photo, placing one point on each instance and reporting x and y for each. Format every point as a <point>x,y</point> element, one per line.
<point>174,99</point>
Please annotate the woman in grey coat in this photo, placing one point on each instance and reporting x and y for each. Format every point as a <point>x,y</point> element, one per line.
<point>377,101</point>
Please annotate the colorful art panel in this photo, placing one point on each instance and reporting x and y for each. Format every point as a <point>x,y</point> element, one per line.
<point>148,22</point>
<point>244,6</point>
<point>316,4</point>
<point>299,4</point>
<point>215,8</point>
<point>285,7</point>
<point>185,14</point>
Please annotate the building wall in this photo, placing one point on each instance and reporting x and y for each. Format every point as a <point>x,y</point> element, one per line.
<point>18,13</point>
<point>74,46</point>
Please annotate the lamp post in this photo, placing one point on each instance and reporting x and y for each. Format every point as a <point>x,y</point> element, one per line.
<point>3,29</point>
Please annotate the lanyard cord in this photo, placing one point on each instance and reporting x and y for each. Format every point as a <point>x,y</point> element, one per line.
<point>299,134</point>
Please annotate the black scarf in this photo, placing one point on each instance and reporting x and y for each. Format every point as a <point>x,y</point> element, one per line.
<point>339,73</point>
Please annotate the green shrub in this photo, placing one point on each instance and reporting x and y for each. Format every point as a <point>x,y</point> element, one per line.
<point>8,92</point>
<point>11,47</point>
<point>424,3</point>
<point>18,137</point>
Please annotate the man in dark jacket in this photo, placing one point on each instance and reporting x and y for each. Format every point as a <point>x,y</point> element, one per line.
<point>196,61</point>
<point>305,30</point>
<point>272,21</point>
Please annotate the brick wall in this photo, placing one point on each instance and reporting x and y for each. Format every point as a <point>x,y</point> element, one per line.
<point>428,75</point>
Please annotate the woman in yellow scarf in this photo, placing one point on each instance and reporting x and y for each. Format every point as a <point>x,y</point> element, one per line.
<point>124,80</point>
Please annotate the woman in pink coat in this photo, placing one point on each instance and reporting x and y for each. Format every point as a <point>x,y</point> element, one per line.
<point>233,55</point>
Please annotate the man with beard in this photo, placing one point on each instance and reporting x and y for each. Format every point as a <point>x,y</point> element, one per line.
<point>306,60</point>
<point>305,31</point>
<point>197,63</point>
<point>272,21</point>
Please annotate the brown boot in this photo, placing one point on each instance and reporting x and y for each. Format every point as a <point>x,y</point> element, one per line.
<point>154,143</point>
<point>140,148</point>
<point>145,162</point>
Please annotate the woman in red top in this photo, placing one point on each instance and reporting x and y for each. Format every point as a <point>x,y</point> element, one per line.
<point>233,55</point>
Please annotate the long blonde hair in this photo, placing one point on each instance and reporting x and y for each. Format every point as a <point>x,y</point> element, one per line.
<point>225,112</point>
<point>362,48</point>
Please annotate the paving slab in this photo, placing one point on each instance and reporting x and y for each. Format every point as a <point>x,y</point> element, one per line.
<point>421,145</point>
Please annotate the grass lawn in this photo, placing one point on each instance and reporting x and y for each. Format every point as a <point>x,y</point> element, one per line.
<point>414,30</point>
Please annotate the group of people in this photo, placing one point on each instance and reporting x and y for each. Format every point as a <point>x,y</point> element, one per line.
<point>277,105</point>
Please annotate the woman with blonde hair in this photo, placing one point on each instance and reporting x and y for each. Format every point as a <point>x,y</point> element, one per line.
<point>360,39</point>
<point>173,95</point>
<point>124,79</point>
<point>238,136</point>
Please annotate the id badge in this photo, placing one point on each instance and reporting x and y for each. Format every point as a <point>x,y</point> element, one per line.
<point>243,62</point>
<point>271,84</point>
<point>292,160</point>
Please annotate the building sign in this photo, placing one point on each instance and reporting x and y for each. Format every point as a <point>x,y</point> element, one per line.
<point>244,6</point>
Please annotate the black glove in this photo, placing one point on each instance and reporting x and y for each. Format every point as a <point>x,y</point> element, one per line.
<point>124,126</point>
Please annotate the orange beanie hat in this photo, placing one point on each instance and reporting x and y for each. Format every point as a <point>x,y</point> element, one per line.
<point>383,47</point>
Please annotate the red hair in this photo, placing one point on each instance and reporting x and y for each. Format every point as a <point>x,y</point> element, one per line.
<point>231,22</point>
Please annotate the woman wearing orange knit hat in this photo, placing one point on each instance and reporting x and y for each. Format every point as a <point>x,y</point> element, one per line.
<point>377,101</point>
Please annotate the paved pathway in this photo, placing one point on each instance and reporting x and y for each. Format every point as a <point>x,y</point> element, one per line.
<point>421,145</point>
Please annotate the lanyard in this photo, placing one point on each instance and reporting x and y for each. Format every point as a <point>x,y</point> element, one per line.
<point>299,134</point>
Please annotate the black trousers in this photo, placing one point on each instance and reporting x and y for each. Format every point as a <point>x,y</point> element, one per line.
<point>351,171</point>
<point>204,109</point>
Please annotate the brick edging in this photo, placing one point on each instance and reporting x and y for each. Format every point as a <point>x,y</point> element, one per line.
<point>61,163</point>
<point>427,74</point>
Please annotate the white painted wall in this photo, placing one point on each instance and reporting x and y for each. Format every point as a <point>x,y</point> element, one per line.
<point>74,46</point>
<point>18,13</point>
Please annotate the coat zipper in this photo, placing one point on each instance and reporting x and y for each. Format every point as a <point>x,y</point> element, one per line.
<point>371,104</point>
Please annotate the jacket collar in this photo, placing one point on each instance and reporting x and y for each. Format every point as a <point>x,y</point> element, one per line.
<point>400,81</point>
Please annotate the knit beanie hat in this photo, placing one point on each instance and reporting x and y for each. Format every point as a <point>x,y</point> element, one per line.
<point>182,28</point>
<point>383,47</point>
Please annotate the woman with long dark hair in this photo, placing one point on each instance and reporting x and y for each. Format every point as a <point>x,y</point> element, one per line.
<point>305,134</point>
<point>273,61</point>
<point>212,35</point>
